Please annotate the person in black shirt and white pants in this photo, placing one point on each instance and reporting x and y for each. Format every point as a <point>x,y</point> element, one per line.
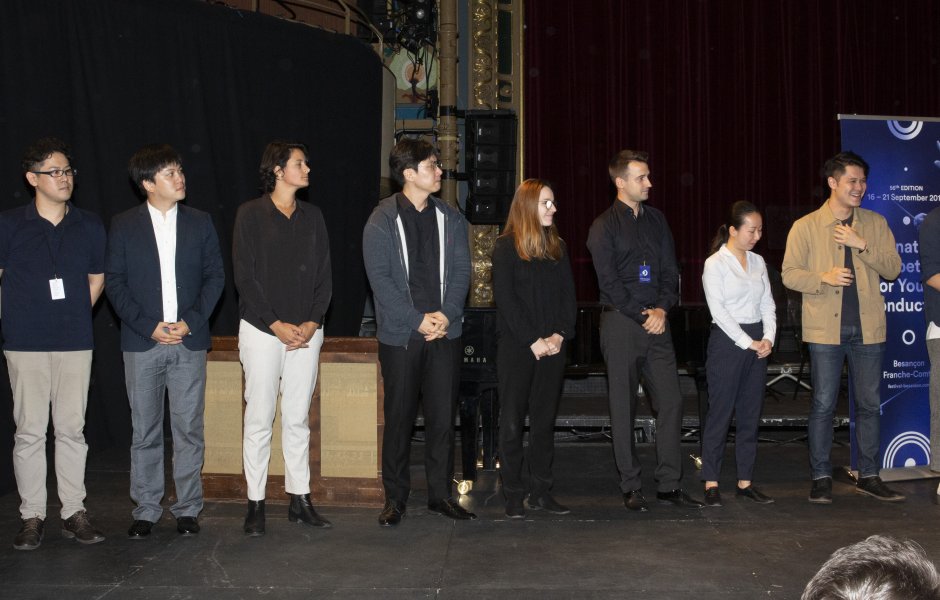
<point>281,256</point>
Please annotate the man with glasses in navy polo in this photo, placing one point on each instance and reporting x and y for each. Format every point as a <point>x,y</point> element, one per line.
<point>52,268</point>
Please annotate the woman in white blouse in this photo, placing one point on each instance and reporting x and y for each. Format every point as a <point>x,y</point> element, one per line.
<point>744,324</point>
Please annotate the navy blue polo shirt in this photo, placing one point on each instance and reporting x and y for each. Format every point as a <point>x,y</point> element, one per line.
<point>33,251</point>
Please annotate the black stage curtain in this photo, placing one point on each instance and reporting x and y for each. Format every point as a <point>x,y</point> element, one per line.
<point>108,76</point>
<point>734,100</point>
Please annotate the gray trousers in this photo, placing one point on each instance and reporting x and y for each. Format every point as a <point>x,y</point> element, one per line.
<point>933,350</point>
<point>631,353</point>
<point>182,373</point>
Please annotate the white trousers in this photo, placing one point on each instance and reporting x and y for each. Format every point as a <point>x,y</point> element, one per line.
<point>271,370</point>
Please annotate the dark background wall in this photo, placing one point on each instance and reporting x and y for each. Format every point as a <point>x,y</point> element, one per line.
<point>108,76</point>
<point>734,100</point>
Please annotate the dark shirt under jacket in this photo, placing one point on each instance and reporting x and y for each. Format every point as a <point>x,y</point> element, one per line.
<point>424,255</point>
<point>281,265</point>
<point>534,298</point>
<point>850,308</point>
<point>619,245</point>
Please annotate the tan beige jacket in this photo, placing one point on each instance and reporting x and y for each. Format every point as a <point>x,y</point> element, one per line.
<point>811,251</point>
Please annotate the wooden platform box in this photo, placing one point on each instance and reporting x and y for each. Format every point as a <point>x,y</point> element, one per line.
<point>346,421</point>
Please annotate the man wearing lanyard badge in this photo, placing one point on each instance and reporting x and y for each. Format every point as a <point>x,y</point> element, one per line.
<point>635,259</point>
<point>52,267</point>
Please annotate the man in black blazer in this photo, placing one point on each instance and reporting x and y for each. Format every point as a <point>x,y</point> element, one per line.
<point>163,276</point>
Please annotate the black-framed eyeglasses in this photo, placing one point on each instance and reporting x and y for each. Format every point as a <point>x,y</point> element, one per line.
<point>58,173</point>
<point>548,204</point>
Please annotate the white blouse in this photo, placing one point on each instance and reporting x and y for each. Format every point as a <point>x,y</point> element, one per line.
<point>735,295</point>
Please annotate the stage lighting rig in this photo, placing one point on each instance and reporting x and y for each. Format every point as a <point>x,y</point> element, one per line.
<point>410,23</point>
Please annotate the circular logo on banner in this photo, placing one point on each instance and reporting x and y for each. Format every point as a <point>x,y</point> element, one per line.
<point>905,132</point>
<point>469,350</point>
<point>905,450</point>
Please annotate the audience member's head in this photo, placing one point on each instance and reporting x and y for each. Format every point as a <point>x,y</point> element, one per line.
<point>878,568</point>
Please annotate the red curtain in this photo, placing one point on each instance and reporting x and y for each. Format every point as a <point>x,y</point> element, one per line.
<point>734,100</point>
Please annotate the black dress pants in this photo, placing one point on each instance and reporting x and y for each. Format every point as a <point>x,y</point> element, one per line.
<point>528,386</point>
<point>429,370</point>
<point>630,353</point>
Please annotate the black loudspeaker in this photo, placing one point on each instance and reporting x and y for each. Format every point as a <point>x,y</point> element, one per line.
<point>479,345</point>
<point>490,137</point>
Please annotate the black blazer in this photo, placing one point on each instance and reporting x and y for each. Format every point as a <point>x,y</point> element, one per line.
<point>133,283</point>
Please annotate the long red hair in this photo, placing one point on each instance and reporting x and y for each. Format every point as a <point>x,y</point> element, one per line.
<point>531,238</point>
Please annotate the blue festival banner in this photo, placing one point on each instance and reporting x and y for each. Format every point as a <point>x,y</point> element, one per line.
<point>903,185</point>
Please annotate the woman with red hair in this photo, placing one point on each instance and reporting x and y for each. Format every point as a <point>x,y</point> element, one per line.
<point>536,310</point>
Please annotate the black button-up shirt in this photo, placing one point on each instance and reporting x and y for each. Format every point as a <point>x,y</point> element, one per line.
<point>282,265</point>
<point>620,244</point>
<point>424,254</point>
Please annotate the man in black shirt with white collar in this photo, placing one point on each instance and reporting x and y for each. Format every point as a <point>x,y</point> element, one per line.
<point>635,259</point>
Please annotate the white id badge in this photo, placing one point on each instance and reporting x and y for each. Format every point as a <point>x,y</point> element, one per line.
<point>57,289</point>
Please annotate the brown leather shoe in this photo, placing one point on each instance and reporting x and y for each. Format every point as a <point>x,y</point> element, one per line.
<point>392,514</point>
<point>30,535</point>
<point>79,527</point>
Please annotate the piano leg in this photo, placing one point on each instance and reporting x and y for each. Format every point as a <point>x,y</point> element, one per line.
<point>469,434</point>
<point>489,410</point>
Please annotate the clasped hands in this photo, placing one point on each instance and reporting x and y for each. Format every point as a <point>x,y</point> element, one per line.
<point>763,348</point>
<point>434,326</point>
<point>170,334</point>
<point>294,336</point>
<point>547,346</point>
<point>655,322</point>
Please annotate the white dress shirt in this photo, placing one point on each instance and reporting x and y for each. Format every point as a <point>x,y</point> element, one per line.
<point>164,229</point>
<point>737,296</point>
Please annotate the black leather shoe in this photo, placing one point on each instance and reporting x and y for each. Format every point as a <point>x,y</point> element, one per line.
<point>187,525</point>
<point>678,498</point>
<point>451,509</point>
<point>392,514</point>
<point>874,487</point>
<point>301,509</point>
<point>30,535</point>
<point>515,509</point>
<point>139,529</point>
<point>712,497</point>
<point>821,492</point>
<point>254,521</point>
<point>78,526</point>
<point>752,493</point>
<point>634,500</point>
<point>548,504</point>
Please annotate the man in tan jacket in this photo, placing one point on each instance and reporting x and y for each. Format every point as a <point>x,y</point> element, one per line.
<point>836,257</point>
